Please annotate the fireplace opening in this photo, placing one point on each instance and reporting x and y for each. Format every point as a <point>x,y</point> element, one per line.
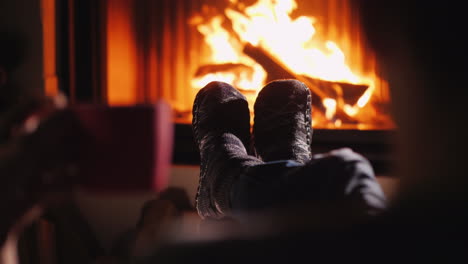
<point>170,49</point>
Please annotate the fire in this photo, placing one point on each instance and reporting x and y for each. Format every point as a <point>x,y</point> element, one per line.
<point>330,105</point>
<point>218,38</point>
<point>268,24</point>
<point>290,40</point>
<point>224,50</point>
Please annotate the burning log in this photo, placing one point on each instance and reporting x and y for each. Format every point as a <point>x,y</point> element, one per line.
<point>225,67</point>
<point>321,89</point>
<point>277,70</point>
<point>350,93</point>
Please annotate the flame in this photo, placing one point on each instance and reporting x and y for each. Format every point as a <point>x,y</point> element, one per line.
<point>268,24</point>
<point>350,110</point>
<point>223,77</point>
<point>217,36</point>
<point>330,106</point>
<point>364,99</point>
<point>224,50</point>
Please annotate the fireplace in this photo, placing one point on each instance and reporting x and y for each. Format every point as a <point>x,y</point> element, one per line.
<point>169,49</point>
<point>145,50</point>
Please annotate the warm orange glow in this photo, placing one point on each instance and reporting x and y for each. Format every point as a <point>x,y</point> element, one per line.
<point>318,42</point>
<point>223,77</point>
<point>297,44</point>
<point>49,49</point>
<point>121,54</point>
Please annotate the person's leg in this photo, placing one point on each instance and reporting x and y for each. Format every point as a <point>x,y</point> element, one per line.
<point>282,137</point>
<point>221,127</point>
<point>340,178</point>
<point>233,181</point>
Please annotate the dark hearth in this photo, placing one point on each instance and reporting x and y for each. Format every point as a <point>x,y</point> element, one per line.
<point>375,145</point>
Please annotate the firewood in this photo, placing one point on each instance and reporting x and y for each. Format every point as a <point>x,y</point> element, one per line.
<point>224,67</point>
<point>277,70</point>
<point>321,89</point>
<point>348,91</point>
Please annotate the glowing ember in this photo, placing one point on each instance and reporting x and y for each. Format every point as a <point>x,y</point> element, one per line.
<point>365,98</point>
